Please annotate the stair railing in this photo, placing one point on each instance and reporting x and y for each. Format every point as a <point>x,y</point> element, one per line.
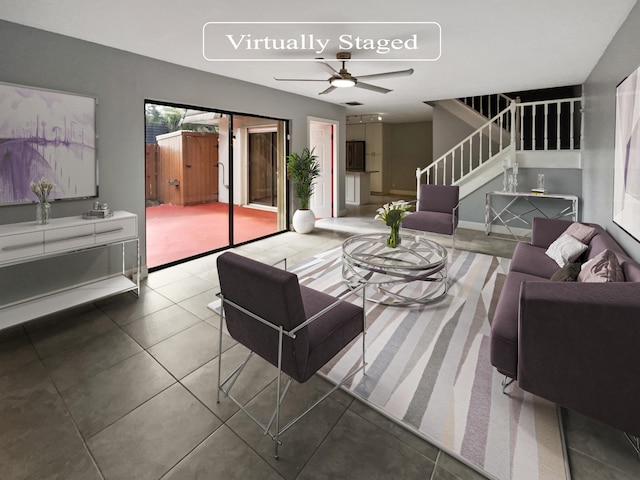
<point>488,105</point>
<point>543,126</point>
<point>473,151</point>
<point>550,124</point>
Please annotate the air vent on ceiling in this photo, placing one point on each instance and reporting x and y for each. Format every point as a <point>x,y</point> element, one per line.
<point>353,104</point>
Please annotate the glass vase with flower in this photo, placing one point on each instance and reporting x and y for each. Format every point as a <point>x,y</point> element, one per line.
<point>392,214</point>
<point>42,189</point>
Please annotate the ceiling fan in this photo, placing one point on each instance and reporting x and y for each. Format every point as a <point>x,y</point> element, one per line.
<point>342,78</point>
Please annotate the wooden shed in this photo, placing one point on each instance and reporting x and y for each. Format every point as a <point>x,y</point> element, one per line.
<point>187,168</point>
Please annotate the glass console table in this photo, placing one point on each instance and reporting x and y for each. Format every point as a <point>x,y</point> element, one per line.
<point>508,217</point>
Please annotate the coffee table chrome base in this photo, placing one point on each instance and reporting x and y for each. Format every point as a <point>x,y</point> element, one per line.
<point>392,292</point>
<point>415,272</point>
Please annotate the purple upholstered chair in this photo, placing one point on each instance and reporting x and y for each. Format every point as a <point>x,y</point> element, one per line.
<point>437,210</point>
<point>293,327</point>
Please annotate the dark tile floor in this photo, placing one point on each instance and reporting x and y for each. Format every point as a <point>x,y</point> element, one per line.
<point>125,389</point>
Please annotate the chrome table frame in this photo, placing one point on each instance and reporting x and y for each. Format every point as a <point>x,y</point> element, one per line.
<point>507,216</point>
<point>394,272</point>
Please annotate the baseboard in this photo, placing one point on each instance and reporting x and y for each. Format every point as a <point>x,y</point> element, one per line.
<point>471,225</point>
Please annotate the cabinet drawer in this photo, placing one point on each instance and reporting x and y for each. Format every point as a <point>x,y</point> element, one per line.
<point>61,239</point>
<point>23,245</point>
<point>114,230</point>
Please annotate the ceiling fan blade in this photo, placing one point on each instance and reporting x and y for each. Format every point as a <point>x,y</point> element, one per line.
<point>398,73</point>
<point>328,90</point>
<point>299,79</point>
<point>373,88</point>
<point>329,68</point>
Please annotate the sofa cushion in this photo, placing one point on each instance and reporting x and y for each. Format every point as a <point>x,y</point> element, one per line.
<point>568,273</point>
<point>504,326</point>
<point>604,267</point>
<point>565,249</point>
<point>546,230</point>
<point>600,242</point>
<point>532,260</point>
<point>580,231</point>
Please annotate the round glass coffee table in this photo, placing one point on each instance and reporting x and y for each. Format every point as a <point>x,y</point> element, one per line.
<point>415,272</point>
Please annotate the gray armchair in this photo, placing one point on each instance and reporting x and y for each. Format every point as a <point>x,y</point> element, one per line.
<point>437,210</point>
<point>293,327</point>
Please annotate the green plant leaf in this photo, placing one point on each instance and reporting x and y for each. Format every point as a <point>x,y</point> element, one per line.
<point>303,169</point>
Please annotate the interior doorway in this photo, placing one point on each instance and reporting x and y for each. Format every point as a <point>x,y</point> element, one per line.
<point>213,180</point>
<point>323,139</point>
<point>263,167</point>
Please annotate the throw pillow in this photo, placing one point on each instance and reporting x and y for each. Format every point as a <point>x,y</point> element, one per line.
<point>581,232</point>
<point>604,267</point>
<point>565,249</point>
<point>568,273</point>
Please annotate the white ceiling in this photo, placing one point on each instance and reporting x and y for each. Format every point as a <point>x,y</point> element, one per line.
<point>488,46</point>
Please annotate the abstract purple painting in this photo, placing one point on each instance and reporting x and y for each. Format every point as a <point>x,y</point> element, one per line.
<point>44,133</point>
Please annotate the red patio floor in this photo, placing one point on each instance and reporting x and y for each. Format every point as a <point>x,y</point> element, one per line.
<point>175,233</point>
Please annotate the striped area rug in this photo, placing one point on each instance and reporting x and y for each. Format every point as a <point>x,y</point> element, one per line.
<point>429,370</point>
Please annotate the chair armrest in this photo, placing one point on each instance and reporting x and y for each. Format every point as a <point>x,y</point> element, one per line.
<point>578,347</point>
<point>339,299</point>
<point>278,262</point>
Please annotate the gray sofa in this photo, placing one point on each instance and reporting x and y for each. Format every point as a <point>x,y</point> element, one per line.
<point>573,343</point>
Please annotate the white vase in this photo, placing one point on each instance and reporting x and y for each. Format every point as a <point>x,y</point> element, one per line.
<point>304,220</point>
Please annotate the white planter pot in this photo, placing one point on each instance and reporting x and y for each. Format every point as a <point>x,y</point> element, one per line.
<point>304,221</point>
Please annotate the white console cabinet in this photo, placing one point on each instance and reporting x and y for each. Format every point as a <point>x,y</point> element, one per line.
<point>28,242</point>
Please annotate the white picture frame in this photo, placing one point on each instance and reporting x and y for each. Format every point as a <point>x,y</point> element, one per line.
<point>626,181</point>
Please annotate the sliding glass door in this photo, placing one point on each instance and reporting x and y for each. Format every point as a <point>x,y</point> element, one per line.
<point>213,180</point>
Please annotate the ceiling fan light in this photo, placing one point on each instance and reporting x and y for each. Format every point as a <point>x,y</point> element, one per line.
<point>342,82</point>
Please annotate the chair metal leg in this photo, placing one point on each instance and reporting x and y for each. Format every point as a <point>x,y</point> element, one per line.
<point>317,402</point>
<point>635,443</point>
<point>226,385</point>
<point>220,350</point>
<point>280,395</point>
<point>267,429</point>
<point>364,329</point>
<point>277,438</point>
<point>506,381</point>
<point>234,375</point>
<point>453,219</point>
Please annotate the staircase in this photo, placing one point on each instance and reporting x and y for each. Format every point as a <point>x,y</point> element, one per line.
<point>516,132</point>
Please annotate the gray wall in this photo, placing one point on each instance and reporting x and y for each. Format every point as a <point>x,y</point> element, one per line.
<point>565,180</point>
<point>411,147</point>
<point>620,59</point>
<point>122,81</point>
<point>448,130</point>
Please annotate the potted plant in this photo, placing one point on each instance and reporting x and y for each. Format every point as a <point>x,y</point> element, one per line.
<point>303,169</point>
